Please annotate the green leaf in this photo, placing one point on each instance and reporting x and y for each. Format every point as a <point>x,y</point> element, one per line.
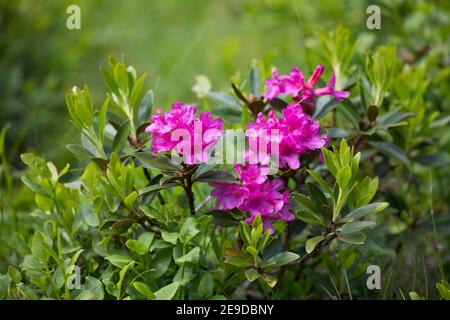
<point>223,218</point>
<point>146,239</point>
<point>130,199</point>
<point>391,150</point>
<point>336,133</point>
<point>122,274</point>
<point>229,114</point>
<point>83,113</point>
<point>102,163</point>
<point>415,296</point>
<point>323,110</point>
<point>270,279</point>
<point>145,109</point>
<point>317,196</point>
<point>119,261</point>
<point>79,151</point>
<point>307,209</point>
<point>95,287</point>
<point>353,238</point>
<point>263,241</point>
<point>167,292</point>
<point>282,259</point>
<point>325,187</point>
<point>356,226</point>
<point>4,286</point>
<point>116,225</point>
<point>312,243</point>
<point>170,237</point>
<point>206,286</point>
<point>36,188</point>
<point>121,137</point>
<point>255,82</point>
<point>136,92</point>
<point>102,119</point>
<point>440,122</point>
<point>252,250</point>
<point>225,99</point>
<point>191,257</point>
<point>37,164</point>
<point>188,230</point>
<point>433,160</point>
<point>343,177</point>
<point>143,289</point>
<point>108,79</point>
<point>244,230</point>
<point>444,289</point>
<point>257,228</point>
<point>156,187</point>
<point>25,292</point>
<point>121,77</point>
<point>39,247</point>
<point>159,162</point>
<point>215,176</point>
<point>367,209</point>
<point>136,246</point>
<point>85,295</point>
<point>238,262</point>
<point>88,215</point>
<point>330,161</point>
<point>238,93</point>
<point>14,274</point>
<point>252,275</point>
<point>75,256</point>
<point>161,262</point>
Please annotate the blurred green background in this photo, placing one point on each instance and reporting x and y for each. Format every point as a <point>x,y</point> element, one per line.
<point>40,59</point>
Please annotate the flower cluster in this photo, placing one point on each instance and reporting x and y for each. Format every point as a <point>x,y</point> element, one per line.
<point>293,134</point>
<point>296,133</point>
<point>255,194</point>
<point>304,93</point>
<point>198,133</point>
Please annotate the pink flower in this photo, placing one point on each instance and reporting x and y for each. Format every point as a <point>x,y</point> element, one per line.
<point>252,173</point>
<point>263,198</point>
<point>197,133</point>
<point>229,195</point>
<point>255,195</point>
<point>295,86</point>
<point>297,134</point>
<point>329,90</point>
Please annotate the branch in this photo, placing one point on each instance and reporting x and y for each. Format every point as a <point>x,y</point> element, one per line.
<point>188,173</point>
<point>316,250</point>
<point>190,195</point>
<point>305,257</point>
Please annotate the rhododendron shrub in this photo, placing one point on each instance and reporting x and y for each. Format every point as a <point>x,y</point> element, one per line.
<point>148,211</point>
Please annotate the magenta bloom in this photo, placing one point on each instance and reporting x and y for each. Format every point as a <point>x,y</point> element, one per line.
<point>256,195</point>
<point>297,134</point>
<point>252,173</point>
<point>180,123</point>
<point>229,195</point>
<point>295,86</point>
